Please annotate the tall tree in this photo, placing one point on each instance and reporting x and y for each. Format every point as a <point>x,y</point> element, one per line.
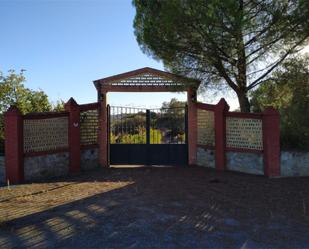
<point>238,42</point>
<point>288,91</point>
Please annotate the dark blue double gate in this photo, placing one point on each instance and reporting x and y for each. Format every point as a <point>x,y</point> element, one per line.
<point>148,136</point>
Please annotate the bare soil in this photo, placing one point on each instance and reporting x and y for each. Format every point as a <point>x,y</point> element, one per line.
<point>168,207</point>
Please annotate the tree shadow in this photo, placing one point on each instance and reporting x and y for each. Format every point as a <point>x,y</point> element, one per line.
<point>154,208</point>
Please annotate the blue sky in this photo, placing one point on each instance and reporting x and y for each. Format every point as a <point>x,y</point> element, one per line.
<point>65,45</point>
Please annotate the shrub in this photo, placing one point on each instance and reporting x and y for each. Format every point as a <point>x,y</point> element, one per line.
<point>288,91</point>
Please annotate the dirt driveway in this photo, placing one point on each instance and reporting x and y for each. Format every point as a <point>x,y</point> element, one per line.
<point>157,208</point>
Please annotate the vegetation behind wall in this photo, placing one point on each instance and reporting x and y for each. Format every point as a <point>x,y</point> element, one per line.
<point>13,92</point>
<point>288,91</point>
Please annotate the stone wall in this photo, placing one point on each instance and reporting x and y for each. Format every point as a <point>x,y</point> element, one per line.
<point>2,170</point>
<point>46,166</point>
<point>89,159</point>
<point>251,163</point>
<point>205,157</point>
<point>294,163</point>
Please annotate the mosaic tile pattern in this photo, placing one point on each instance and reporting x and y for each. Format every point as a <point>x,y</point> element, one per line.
<point>205,127</point>
<point>147,79</point>
<point>89,127</point>
<point>244,133</point>
<point>45,134</point>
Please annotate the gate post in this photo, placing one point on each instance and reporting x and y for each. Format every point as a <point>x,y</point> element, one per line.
<point>13,133</point>
<point>192,126</point>
<point>271,142</point>
<point>74,135</point>
<point>220,133</point>
<point>103,129</point>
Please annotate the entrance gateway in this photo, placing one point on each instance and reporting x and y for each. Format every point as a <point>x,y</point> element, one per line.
<point>147,136</point>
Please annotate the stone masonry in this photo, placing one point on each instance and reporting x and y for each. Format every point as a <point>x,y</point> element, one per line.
<point>89,159</point>
<point>46,166</point>
<point>251,163</point>
<point>205,157</point>
<point>294,163</point>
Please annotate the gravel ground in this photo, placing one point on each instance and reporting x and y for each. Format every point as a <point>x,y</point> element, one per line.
<point>156,208</point>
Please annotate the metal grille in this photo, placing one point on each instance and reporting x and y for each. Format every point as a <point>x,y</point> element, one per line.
<point>167,126</point>
<point>244,133</point>
<point>205,127</point>
<point>45,134</point>
<point>127,125</point>
<point>135,125</point>
<point>89,127</point>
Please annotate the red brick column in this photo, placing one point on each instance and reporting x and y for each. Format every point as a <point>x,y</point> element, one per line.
<point>220,133</point>
<point>192,126</point>
<point>74,135</point>
<point>102,134</point>
<point>13,133</point>
<point>271,142</point>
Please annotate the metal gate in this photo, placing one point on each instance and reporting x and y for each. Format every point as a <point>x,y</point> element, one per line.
<point>148,136</point>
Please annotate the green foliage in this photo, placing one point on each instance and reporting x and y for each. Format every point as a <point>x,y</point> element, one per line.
<point>155,136</point>
<point>59,106</point>
<point>173,116</point>
<point>238,43</point>
<point>132,122</point>
<point>13,92</point>
<point>288,91</point>
<point>138,138</point>
<point>174,103</point>
<point>168,124</point>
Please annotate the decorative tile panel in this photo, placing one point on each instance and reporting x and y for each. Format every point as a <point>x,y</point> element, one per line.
<point>147,79</point>
<point>205,127</point>
<point>45,134</point>
<point>89,127</point>
<point>244,133</point>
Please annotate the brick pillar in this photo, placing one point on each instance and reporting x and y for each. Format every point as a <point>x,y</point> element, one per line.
<point>220,133</point>
<point>102,134</point>
<point>74,135</point>
<point>271,142</point>
<point>13,133</point>
<point>192,126</point>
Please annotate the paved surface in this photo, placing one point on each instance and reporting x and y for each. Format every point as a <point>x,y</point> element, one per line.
<point>157,208</point>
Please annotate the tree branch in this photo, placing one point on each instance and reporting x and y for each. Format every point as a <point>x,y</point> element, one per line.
<point>291,50</point>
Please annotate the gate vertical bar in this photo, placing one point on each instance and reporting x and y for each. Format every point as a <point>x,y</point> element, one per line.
<point>108,134</point>
<point>148,136</point>
<point>147,126</point>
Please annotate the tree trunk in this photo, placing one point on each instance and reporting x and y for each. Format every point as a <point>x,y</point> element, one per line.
<point>243,100</point>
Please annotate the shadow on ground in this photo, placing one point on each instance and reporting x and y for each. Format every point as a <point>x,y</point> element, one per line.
<point>158,208</point>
